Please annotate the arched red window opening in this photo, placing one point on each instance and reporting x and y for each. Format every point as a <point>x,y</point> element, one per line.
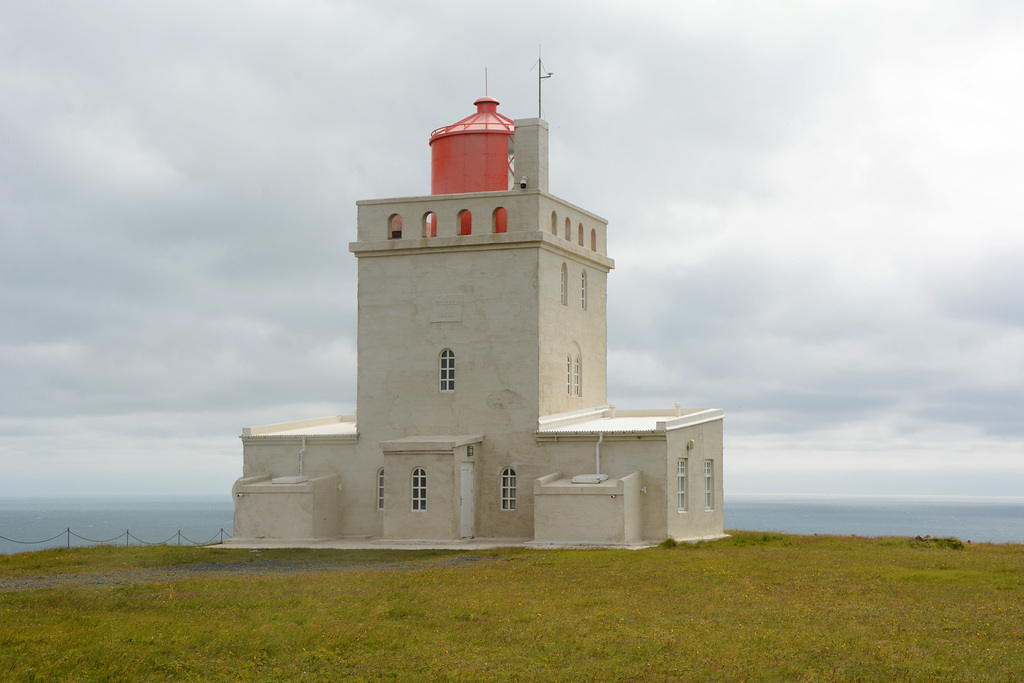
<point>500,219</point>
<point>430,224</point>
<point>579,238</point>
<point>568,229</point>
<point>394,227</point>
<point>593,239</point>
<point>554,223</point>
<point>465,222</point>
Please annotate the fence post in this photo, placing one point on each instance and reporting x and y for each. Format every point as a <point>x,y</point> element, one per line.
<point>69,538</point>
<point>126,537</point>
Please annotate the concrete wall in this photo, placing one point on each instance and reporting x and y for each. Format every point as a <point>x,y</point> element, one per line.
<point>608,512</point>
<point>482,306</point>
<point>696,521</point>
<point>440,519</point>
<point>621,455</point>
<point>307,510</point>
<point>652,457</point>
<point>531,153</point>
<point>279,456</point>
<point>494,299</point>
<point>571,330</point>
<point>354,512</point>
<point>528,211</point>
<point>509,449</point>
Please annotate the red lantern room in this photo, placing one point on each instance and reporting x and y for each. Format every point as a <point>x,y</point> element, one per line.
<point>472,155</point>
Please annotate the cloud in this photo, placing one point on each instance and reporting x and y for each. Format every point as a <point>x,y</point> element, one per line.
<point>812,211</point>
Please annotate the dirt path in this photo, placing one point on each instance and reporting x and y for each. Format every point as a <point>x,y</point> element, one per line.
<point>218,569</point>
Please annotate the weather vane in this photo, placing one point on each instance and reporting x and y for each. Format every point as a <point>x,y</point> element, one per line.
<point>541,75</point>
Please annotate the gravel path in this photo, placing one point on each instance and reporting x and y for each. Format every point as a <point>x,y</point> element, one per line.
<point>218,569</point>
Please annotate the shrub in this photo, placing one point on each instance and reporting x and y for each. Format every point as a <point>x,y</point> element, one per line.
<point>929,542</point>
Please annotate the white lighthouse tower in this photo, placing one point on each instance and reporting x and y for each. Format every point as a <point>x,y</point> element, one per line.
<point>482,378</point>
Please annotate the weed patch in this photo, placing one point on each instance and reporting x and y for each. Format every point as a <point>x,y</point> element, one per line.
<point>929,542</point>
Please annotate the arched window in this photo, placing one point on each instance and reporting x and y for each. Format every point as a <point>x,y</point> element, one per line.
<point>500,219</point>
<point>419,489</point>
<point>593,239</point>
<point>568,229</point>
<point>447,370</point>
<point>565,285</point>
<point>465,222</point>
<point>554,223</point>
<point>579,238</point>
<point>380,489</point>
<point>568,375</point>
<point>577,378</point>
<point>583,290</point>
<point>394,227</point>
<point>508,489</point>
<point>430,224</point>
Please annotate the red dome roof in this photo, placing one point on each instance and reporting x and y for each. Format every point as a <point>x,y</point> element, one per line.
<point>485,120</point>
<point>472,155</point>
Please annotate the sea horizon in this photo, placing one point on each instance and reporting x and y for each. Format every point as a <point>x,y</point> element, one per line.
<point>28,520</point>
<point>879,496</point>
<point>728,494</point>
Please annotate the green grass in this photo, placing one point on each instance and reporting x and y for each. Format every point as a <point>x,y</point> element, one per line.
<point>751,607</point>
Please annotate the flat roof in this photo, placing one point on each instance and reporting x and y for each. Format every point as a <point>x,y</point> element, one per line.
<point>592,421</point>
<point>633,422</point>
<point>337,428</point>
<point>336,425</point>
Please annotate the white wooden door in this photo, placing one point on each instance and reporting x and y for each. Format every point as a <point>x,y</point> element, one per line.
<point>466,507</point>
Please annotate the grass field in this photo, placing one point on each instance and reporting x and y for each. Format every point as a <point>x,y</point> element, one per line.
<point>750,607</point>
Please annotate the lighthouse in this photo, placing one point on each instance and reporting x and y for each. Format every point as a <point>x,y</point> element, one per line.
<point>482,378</point>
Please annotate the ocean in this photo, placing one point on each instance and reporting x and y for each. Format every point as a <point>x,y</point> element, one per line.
<point>200,519</point>
<point>975,519</point>
<point>146,520</point>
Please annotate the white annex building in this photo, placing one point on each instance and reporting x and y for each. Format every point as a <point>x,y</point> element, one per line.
<point>482,381</point>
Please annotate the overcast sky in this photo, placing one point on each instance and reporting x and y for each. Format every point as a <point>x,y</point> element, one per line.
<point>815,211</point>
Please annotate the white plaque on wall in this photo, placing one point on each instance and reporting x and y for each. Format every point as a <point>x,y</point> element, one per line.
<point>446,309</point>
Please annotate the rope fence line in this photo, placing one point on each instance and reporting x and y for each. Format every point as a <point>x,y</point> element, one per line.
<point>128,537</point>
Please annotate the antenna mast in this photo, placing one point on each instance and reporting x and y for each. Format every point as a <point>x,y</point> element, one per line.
<point>541,75</point>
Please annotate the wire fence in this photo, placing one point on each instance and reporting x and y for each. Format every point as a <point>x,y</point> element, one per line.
<point>177,538</point>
